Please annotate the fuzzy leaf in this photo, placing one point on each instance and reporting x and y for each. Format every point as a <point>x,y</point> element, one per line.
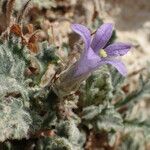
<point>15,120</point>
<point>102,118</point>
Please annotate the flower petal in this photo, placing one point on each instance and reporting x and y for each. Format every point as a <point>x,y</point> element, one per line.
<point>87,63</point>
<point>117,49</point>
<point>102,36</point>
<point>117,64</point>
<point>84,33</point>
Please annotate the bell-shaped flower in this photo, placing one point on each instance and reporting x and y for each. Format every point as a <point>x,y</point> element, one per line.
<point>96,53</point>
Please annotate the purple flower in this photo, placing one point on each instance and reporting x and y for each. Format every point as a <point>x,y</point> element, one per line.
<point>96,53</point>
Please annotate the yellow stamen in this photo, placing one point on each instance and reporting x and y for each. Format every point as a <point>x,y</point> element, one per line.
<point>103,53</point>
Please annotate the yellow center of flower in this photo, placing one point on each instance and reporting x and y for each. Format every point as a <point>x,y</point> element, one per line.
<point>102,53</point>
